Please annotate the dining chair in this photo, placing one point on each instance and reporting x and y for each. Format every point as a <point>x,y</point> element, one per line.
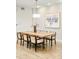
<point>36,41</point>
<point>19,37</point>
<point>26,39</point>
<point>51,38</point>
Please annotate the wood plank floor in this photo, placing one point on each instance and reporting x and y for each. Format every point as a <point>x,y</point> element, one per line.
<point>22,52</point>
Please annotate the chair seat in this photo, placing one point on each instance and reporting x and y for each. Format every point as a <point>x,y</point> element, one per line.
<point>49,37</point>
<point>25,37</point>
<point>38,41</point>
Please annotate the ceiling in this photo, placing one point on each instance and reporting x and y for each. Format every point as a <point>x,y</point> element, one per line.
<point>30,3</point>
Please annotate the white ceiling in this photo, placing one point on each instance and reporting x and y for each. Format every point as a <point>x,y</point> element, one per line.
<point>30,3</point>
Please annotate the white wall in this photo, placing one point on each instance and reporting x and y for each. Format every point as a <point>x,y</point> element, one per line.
<point>24,19</point>
<point>50,11</point>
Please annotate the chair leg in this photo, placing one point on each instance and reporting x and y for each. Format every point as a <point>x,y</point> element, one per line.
<point>27,41</point>
<point>46,42</point>
<point>35,47</point>
<point>30,43</point>
<point>20,42</point>
<point>43,43</point>
<point>23,42</point>
<point>27,44</point>
<point>17,41</point>
<point>51,43</point>
<point>55,42</point>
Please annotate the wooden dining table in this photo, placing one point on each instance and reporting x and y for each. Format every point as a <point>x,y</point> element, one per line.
<point>37,34</point>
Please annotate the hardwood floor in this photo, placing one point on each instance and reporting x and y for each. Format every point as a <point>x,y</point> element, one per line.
<point>22,52</point>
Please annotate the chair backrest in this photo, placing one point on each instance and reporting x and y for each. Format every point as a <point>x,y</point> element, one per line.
<point>54,35</point>
<point>19,35</point>
<point>25,37</point>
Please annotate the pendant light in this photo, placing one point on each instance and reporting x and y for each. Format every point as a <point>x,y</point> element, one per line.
<point>36,14</point>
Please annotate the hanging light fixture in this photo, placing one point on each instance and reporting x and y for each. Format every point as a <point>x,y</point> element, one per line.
<point>36,14</point>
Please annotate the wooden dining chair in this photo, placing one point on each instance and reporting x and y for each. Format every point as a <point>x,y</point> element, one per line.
<point>19,37</point>
<point>26,38</point>
<point>36,41</point>
<point>51,38</point>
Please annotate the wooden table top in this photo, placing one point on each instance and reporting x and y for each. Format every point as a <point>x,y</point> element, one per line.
<point>40,34</point>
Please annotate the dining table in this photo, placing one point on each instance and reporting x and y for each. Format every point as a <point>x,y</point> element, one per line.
<point>41,35</point>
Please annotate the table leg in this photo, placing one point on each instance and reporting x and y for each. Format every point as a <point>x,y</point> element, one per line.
<point>43,43</point>
<point>46,42</point>
<point>35,44</point>
<point>27,40</point>
<point>51,41</point>
<point>30,42</point>
<point>23,40</point>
